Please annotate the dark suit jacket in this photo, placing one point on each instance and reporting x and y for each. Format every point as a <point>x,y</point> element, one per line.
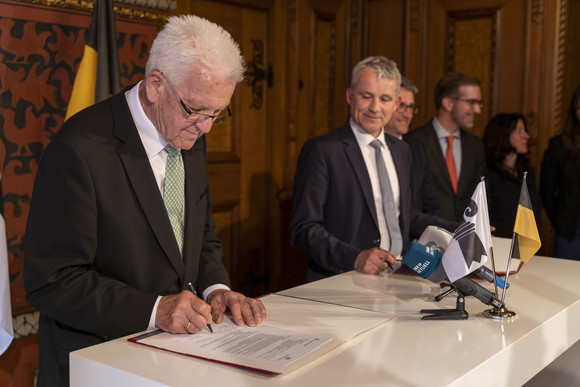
<point>425,202</point>
<point>99,247</point>
<point>451,205</point>
<point>560,188</point>
<point>333,213</point>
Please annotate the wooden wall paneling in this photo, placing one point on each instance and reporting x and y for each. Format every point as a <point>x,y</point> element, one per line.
<point>238,167</point>
<point>356,42</point>
<point>483,39</point>
<point>322,33</point>
<point>415,36</point>
<point>511,48</point>
<point>386,28</point>
<point>546,98</point>
<point>319,39</point>
<point>471,50</point>
<point>572,57</point>
<point>284,146</point>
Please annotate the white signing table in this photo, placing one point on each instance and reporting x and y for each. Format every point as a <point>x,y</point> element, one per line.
<point>405,351</point>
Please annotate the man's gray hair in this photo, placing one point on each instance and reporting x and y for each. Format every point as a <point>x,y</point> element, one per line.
<point>407,84</point>
<point>190,42</point>
<point>383,67</point>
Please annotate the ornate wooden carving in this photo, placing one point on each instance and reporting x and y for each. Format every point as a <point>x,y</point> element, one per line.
<point>414,15</point>
<point>560,105</point>
<point>537,12</point>
<point>119,10</point>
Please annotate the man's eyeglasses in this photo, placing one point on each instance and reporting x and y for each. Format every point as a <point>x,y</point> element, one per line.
<point>472,102</point>
<point>200,117</point>
<point>403,108</point>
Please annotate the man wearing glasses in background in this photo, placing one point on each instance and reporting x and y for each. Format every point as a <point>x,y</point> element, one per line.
<point>455,157</point>
<point>120,234</point>
<point>422,183</point>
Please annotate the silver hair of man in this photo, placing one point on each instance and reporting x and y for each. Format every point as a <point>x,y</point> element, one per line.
<point>383,67</point>
<point>189,42</point>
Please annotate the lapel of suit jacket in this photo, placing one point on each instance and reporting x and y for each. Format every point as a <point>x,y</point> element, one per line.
<point>138,169</point>
<point>355,157</point>
<point>195,185</point>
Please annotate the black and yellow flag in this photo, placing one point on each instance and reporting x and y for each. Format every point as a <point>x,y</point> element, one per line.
<point>98,74</point>
<point>526,237</point>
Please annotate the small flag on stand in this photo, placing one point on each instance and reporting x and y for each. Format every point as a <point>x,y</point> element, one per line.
<point>98,75</point>
<point>526,239</point>
<point>6,330</point>
<point>469,248</point>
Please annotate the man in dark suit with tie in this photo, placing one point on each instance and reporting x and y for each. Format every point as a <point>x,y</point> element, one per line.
<point>343,216</point>
<point>102,257</point>
<point>455,157</point>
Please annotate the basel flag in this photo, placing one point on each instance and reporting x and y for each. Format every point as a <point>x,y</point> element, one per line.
<point>6,331</point>
<point>469,247</point>
<point>526,238</point>
<point>98,74</point>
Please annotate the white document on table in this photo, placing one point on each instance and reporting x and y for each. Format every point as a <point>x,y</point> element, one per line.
<point>295,333</point>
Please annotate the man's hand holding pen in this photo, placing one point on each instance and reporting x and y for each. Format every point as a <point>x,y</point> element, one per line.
<point>182,313</point>
<point>186,313</point>
<point>375,260</point>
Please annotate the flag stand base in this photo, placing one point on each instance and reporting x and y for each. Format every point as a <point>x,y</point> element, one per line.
<point>500,314</point>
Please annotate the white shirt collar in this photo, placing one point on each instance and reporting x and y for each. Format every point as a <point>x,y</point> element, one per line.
<point>441,132</point>
<point>152,140</point>
<point>363,137</point>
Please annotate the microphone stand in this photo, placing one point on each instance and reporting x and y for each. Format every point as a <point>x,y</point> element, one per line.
<point>445,293</point>
<point>459,313</point>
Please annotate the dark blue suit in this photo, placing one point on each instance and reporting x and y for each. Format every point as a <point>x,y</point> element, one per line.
<point>334,215</point>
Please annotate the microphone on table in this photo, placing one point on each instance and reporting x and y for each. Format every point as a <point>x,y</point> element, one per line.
<point>439,272</point>
<point>426,262</point>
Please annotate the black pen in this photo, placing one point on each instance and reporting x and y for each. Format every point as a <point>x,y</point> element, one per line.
<point>195,294</point>
<point>377,245</point>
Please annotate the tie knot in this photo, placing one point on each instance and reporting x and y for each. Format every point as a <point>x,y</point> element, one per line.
<point>376,144</point>
<point>171,151</point>
<point>450,139</point>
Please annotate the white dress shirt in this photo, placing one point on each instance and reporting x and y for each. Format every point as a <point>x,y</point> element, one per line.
<point>364,139</point>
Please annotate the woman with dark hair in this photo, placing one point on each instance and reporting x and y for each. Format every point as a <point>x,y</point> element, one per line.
<point>560,184</point>
<point>506,147</point>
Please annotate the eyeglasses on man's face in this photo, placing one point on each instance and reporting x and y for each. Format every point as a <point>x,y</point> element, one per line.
<point>472,102</point>
<point>402,108</point>
<point>199,117</point>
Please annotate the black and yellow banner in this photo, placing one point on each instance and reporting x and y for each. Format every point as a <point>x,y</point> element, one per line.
<point>526,237</point>
<point>98,74</point>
